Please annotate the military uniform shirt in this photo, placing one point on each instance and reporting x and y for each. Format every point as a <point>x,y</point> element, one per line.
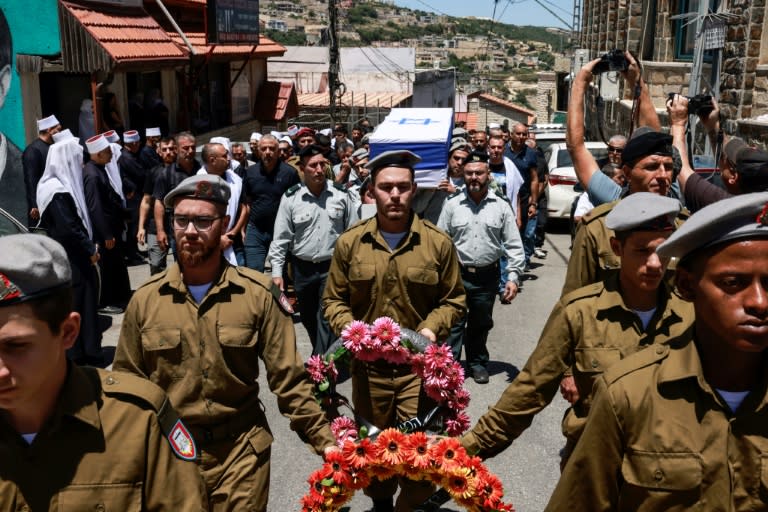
<point>659,437</point>
<point>418,283</point>
<point>104,448</point>
<point>484,232</point>
<point>588,330</point>
<point>206,356</point>
<point>307,226</point>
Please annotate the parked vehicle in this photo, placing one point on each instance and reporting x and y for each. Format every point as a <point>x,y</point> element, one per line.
<point>562,177</point>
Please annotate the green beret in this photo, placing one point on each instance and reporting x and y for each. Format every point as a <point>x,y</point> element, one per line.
<point>736,218</point>
<point>32,266</point>
<point>200,186</point>
<point>643,211</point>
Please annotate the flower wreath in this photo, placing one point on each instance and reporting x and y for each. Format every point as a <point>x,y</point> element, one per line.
<point>367,452</point>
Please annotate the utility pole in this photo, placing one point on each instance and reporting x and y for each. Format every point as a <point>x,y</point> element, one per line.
<point>333,59</point>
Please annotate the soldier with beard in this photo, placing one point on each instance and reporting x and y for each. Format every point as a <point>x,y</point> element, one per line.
<point>198,331</point>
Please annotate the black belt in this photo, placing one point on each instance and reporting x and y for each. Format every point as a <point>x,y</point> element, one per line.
<point>312,266</point>
<point>493,267</point>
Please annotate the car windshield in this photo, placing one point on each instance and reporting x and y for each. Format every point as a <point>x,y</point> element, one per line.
<point>564,157</point>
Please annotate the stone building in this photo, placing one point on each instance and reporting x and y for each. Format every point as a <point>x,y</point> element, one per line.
<point>665,45</point>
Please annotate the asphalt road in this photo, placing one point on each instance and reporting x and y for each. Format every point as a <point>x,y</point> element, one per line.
<point>528,469</point>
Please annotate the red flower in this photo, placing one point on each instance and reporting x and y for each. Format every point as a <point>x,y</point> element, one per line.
<point>360,479</point>
<point>488,488</point>
<point>391,444</point>
<point>381,471</point>
<point>417,451</point>
<point>359,454</point>
<point>448,452</point>
<point>339,468</point>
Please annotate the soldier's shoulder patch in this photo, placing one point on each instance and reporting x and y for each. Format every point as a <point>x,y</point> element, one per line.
<point>181,441</point>
<point>282,299</point>
<point>292,190</point>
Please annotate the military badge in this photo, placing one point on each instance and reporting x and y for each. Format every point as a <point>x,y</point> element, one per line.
<point>181,442</point>
<point>762,217</point>
<point>204,190</point>
<point>8,290</point>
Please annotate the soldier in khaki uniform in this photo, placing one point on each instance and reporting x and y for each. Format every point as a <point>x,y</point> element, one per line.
<point>648,164</point>
<point>684,425</point>
<point>593,327</point>
<point>76,438</point>
<point>395,265</point>
<point>198,331</point>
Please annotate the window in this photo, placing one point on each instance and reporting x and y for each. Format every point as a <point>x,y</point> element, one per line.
<point>685,30</point>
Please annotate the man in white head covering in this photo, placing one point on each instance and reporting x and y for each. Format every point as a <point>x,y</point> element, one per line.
<point>133,174</point>
<point>149,156</point>
<point>64,215</point>
<point>33,160</point>
<point>105,207</point>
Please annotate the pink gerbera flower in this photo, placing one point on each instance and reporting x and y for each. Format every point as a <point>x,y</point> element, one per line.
<point>386,331</point>
<point>355,335</point>
<point>316,368</point>
<point>344,429</point>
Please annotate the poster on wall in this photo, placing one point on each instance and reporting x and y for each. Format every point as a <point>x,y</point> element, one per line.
<point>232,22</point>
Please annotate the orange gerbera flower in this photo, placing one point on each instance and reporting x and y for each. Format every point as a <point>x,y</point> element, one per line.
<point>359,454</point>
<point>448,453</point>
<point>417,451</point>
<point>460,485</point>
<point>380,471</point>
<point>391,447</point>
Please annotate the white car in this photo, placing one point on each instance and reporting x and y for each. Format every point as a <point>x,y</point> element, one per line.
<point>562,177</point>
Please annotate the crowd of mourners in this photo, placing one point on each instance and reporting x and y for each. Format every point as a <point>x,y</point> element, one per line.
<point>657,340</point>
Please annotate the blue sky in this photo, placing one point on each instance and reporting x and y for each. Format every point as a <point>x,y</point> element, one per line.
<point>517,12</point>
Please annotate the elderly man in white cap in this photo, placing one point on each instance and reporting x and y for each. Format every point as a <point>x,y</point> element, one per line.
<point>105,208</point>
<point>64,215</point>
<point>253,143</point>
<point>33,160</point>
<point>133,174</point>
<point>149,156</point>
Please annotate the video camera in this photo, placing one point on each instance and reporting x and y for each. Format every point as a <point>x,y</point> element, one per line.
<point>615,60</point>
<point>701,104</point>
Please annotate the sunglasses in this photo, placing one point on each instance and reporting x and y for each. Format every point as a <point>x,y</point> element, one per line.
<point>612,149</point>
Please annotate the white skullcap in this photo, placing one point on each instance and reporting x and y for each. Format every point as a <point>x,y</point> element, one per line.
<point>276,134</point>
<point>153,132</point>
<point>255,136</point>
<point>326,131</point>
<point>131,136</point>
<point>224,141</point>
<point>111,136</point>
<point>46,123</point>
<point>493,126</point>
<point>63,135</point>
<point>97,143</point>
<point>286,138</point>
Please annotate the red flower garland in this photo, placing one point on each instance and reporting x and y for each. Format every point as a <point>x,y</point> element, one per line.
<point>443,461</point>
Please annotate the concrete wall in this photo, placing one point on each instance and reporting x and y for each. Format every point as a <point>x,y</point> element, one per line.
<point>34,27</point>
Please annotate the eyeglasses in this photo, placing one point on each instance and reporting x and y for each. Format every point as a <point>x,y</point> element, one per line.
<point>612,149</point>
<point>181,222</point>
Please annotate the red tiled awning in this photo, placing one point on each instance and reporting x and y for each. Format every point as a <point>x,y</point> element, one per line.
<point>265,48</point>
<point>104,39</point>
<point>469,120</point>
<point>277,101</point>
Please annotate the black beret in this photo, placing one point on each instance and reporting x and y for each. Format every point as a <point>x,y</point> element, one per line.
<point>644,142</point>
<point>310,150</point>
